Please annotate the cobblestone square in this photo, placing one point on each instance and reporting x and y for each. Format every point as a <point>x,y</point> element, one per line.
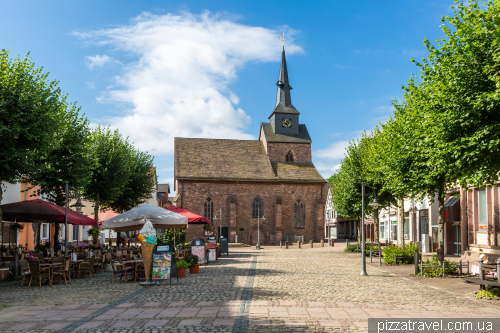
<point>294,290</point>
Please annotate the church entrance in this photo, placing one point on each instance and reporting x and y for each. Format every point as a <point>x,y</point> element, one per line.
<point>254,236</point>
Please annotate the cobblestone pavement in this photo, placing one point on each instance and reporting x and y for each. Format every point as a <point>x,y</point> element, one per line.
<point>271,290</point>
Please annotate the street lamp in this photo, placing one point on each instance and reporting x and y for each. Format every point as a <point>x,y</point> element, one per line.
<point>258,227</point>
<point>375,205</point>
<point>78,205</point>
<point>217,217</point>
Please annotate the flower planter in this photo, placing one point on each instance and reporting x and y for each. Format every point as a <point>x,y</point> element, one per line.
<point>181,272</point>
<point>194,269</point>
<point>4,273</point>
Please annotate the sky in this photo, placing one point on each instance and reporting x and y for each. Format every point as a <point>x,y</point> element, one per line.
<point>208,69</point>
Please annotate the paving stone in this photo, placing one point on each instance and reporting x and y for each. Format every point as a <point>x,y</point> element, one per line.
<point>223,322</point>
<point>190,322</point>
<point>158,323</point>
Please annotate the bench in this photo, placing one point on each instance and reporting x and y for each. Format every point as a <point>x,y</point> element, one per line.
<point>483,283</point>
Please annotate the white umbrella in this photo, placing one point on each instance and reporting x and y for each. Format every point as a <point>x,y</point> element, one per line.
<point>135,218</point>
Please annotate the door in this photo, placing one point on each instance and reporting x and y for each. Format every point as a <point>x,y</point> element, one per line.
<point>225,232</point>
<point>457,240</point>
<point>256,233</point>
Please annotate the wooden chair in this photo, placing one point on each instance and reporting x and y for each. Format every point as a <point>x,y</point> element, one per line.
<point>62,271</point>
<point>139,271</point>
<point>129,268</point>
<point>38,273</point>
<point>25,270</point>
<point>81,256</point>
<point>118,271</point>
<point>86,267</point>
<point>39,255</point>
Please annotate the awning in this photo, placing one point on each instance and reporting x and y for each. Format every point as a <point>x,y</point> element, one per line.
<point>192,217</point>
<point>41,210</point>
<point>452,209</point>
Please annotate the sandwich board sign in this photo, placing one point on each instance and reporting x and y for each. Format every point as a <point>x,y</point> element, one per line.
<point>164,266</point>
<point>198,249</point>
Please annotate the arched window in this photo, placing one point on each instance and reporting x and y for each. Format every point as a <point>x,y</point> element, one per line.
<point>299,214</point>
<point>289,157</point>
<point>209,209</point>
<point>257,209</point>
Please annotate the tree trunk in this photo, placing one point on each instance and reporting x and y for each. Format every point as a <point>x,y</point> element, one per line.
<point>402,217</point>
<point>1,196</point>
<point>375,219</point>
<point>96,217</point>
<point>440,222</point>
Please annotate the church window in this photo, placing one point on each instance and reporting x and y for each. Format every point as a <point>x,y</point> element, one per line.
<point>289,157</point>
<point>299,214</point>
<point>209,209</point>
<point>257,209</point>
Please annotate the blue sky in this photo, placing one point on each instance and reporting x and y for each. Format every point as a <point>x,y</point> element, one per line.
<point>160,69</point>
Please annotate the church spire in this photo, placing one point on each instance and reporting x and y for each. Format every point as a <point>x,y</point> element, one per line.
<point>283,95</point>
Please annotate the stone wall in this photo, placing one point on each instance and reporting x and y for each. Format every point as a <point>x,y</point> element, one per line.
<point>277,151</point>
<point>235,199</point>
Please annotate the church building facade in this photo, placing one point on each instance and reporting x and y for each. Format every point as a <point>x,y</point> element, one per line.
<point>250,189</point>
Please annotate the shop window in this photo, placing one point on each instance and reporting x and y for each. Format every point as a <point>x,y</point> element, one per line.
<point>423,223</point>
<point>44,231</point>
<point>382,229</point>
<point>209,209</point>
<point>481,207</point>
<point>257,208</point>
<point>406,229</point>
<point>299,214</point>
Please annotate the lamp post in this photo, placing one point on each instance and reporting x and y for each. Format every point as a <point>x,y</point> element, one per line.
<point>219,217</point>
<point>375,205</point>
<point>78,205</point>
<point>413,210</point>
<point>258,227</point>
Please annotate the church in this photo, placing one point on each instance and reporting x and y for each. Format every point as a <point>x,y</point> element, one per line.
<point>266,189</point>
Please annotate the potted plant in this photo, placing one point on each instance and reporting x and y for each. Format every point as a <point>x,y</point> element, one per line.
<point>193,261</point>
<point>181,268</point>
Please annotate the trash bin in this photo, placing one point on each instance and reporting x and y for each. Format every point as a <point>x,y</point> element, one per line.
<point>4,273</point>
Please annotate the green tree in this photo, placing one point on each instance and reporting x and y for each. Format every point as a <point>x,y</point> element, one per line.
<point>111,171</point>
<point>31,110</point>
<point>70,161</point>
<point>140,184</point>
<point>346,183</point>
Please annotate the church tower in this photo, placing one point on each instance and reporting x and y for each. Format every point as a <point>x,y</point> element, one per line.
<point>284,139</point>
<point>285,117</point>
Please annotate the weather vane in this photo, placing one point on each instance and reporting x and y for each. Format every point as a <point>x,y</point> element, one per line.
<point>283,39</point>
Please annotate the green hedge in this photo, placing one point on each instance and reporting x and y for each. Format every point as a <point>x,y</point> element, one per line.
<point>450,268</point>
<point>353,248</point>
<point>399,250</point>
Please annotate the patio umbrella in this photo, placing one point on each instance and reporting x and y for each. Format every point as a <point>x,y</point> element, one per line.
<point>41,210</point>
<point>192,217</point>
<point>135,218</point>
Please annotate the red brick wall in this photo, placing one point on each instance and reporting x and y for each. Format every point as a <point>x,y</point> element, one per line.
<point>194,195</point>
<point>277,151</point>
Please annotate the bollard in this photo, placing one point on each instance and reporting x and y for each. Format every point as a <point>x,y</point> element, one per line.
<point>280,244</point>
<point>415,261</point>
<point>346,242</point>
<point>444,268</point>
<point>300,244</point>
<point>322,243</point>
<point>460,267</point>
<point>286,245</point>
<point>311,243</point>
<point>16,263</point>
<point>498,270</point>
<point>481,272</point>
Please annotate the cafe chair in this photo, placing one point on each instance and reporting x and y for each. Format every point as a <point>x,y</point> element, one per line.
<point>25,270</point>
<point>37,273</point>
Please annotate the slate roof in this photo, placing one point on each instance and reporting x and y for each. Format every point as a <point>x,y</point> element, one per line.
<point>235,160</point>
<point>302,137</point>
<point>282,108</point>
<point>165,188</point>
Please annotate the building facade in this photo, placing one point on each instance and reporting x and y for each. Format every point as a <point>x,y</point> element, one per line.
<point>266,189</point>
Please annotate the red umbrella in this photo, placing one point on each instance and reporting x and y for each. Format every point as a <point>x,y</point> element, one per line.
<point>192,217</point>
<point>27,211</point>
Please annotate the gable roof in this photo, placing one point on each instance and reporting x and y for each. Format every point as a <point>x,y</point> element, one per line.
<point>302,137</point>
<point>163,188</point>
<point>235,160</point>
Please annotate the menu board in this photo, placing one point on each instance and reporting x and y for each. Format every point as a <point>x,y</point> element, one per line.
<point>212,255</point>
<point>163,267</point>
<point>198,249</point>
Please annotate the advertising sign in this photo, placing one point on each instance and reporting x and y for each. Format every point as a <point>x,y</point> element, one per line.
<point>164,267</point>
<point>198,249</point>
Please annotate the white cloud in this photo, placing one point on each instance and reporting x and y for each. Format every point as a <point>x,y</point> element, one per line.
<point>178,85</point>
<point>333,152</point>
<point>97,61</point>
<point>90,85</point>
